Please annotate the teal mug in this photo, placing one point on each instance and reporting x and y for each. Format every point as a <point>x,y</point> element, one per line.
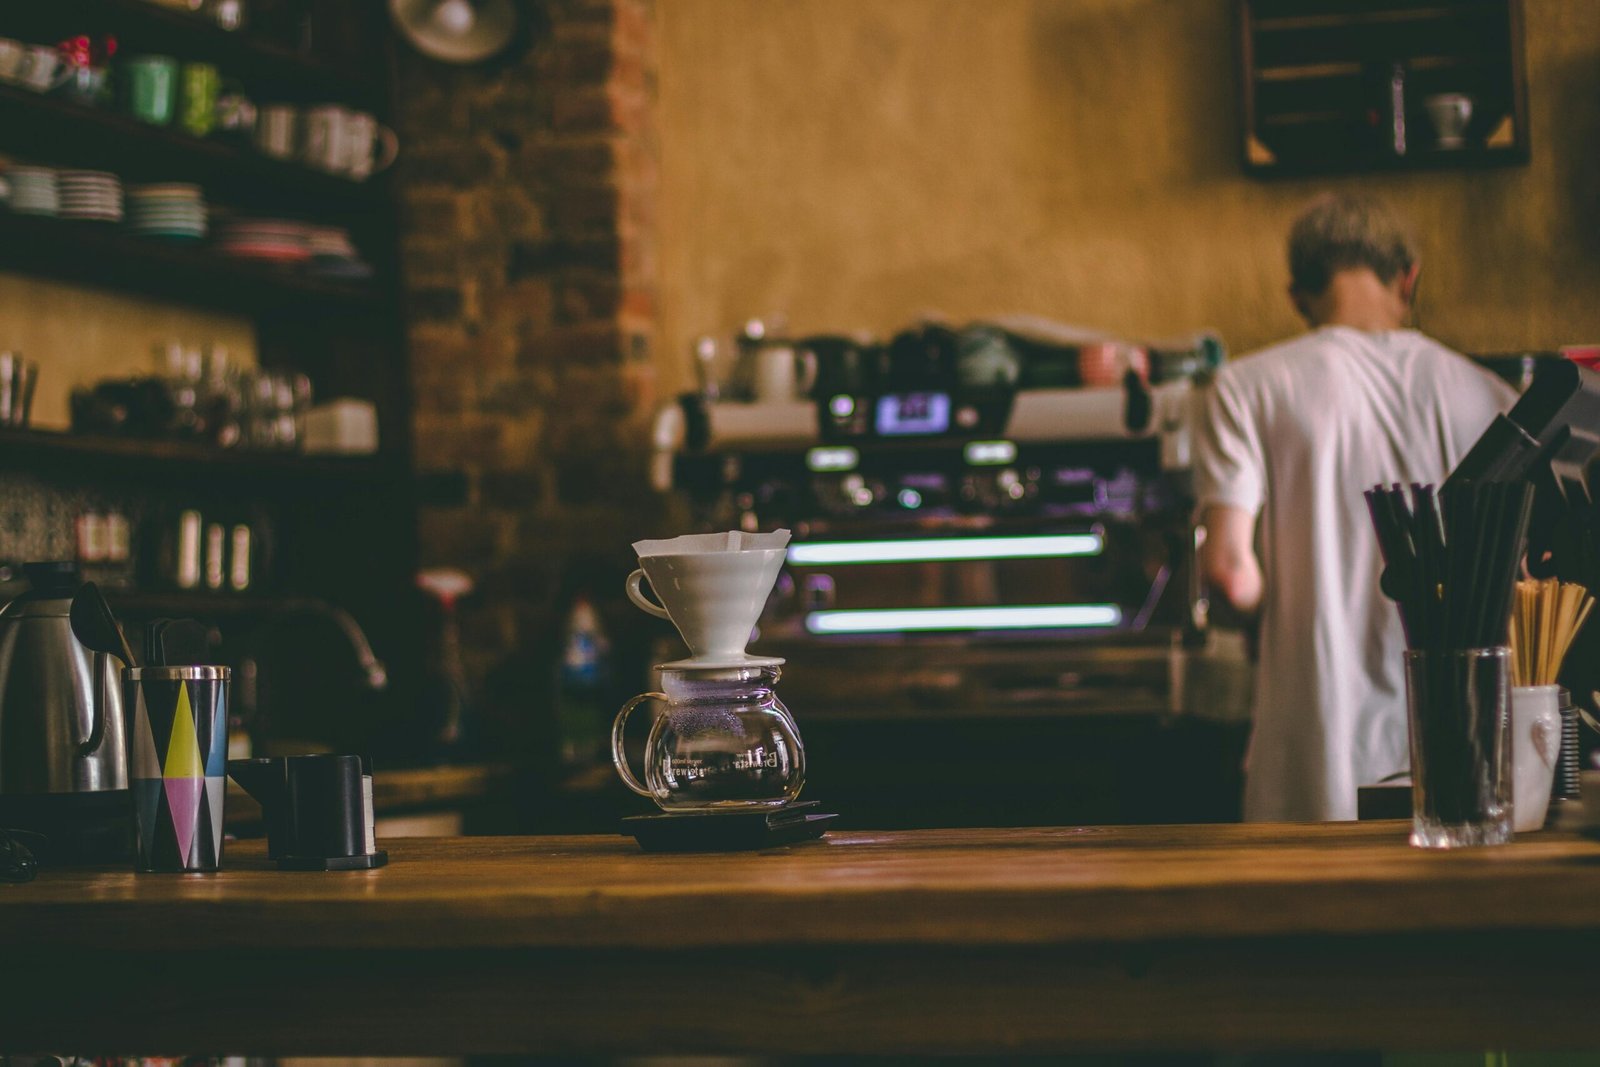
<point>150,88</point>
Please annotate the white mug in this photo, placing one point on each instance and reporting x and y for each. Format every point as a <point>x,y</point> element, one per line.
<point>1535,747</point>
<point>324,145</point>
<point>370,146</point>
<point>42,68</point>
<point>11,53</point>
<point>1450,113</point>
<point>275,130</point>
<point>713,598</point>
<point>776,379</point>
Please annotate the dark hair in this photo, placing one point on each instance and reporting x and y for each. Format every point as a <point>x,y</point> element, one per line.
<point>1343,232</point>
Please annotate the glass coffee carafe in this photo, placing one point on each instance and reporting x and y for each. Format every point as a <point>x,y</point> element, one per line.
<point>721,741</point>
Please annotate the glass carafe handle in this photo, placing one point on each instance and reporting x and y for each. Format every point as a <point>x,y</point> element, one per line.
<point>619,755</point>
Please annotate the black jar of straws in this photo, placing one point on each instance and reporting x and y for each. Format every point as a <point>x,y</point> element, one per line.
<point>1451,560</point>
<point>1458,703</point>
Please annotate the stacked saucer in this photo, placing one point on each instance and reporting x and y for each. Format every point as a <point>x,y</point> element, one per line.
<point>332,254</point>
<point>268,240</point>
<point>90,194</point>
<point>34,191</point>
<point>174,210</point>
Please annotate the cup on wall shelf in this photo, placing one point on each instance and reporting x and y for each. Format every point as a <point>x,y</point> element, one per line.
<point>343,141</point>
<point>87,61</point>
<point>277,129</point>
<point>12,53</point>
<point>370,146</point>
<point>18,378</point>
<point>198,110</point>
<point>150,88</point>
<point>43,68</point>
<point>323,143</point>
<point>1450,113</point>
<point>236,114</point>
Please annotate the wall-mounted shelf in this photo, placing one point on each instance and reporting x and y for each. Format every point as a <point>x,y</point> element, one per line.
<point>103,254</point>
<point>1319,93</point>
<point>46,450</point>
<point>62,132</point>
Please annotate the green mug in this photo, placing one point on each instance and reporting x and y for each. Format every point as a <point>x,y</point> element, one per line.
<point>201,84</point>
<point>150,88</point>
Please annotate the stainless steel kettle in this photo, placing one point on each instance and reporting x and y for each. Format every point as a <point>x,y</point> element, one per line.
<point>61,725</point>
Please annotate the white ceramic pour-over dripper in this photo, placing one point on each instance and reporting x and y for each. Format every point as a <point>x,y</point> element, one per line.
<point>713,598</point>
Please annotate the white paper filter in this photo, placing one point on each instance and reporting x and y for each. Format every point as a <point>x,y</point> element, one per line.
<point>731,541</point>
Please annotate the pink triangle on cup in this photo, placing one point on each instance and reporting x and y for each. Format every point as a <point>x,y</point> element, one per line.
<point>183,799</point>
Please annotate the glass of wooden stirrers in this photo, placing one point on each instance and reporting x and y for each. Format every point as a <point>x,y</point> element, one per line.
<point>1545,617</point>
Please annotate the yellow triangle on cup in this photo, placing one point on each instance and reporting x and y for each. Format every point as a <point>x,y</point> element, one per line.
<point>183,751</point>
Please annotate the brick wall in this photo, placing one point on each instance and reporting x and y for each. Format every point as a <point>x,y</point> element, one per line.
<point>527,192</point>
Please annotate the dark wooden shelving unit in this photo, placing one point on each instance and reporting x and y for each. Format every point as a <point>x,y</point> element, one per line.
<point>339,530</point>
<point>1314,84</point>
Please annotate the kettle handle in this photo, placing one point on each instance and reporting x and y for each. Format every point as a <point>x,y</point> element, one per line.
<point>619,755</point>
<point>97,708</point>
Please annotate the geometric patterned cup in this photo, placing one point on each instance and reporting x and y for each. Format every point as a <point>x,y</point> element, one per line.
<point>177,764</point>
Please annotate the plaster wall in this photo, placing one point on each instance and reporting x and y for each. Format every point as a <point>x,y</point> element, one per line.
<point>855,163</point>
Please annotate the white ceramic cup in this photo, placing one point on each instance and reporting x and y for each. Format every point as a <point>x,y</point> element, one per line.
<point>1449,113</point>
<point>1535,747</point>
<point>276,127</point>
<point>323,144</point>
<point>11,53</point>
<point>42,68</point>
<point>713,598</point>
<point>369,146</point>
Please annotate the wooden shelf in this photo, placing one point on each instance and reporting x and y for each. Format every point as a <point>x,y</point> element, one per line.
<point>206,606</point>
<point>103,254</point>
<point>62,132</point>
<point>1378,17</point>
<point>1315,89</point>
<point>41,450</point>
<point>142,26</point>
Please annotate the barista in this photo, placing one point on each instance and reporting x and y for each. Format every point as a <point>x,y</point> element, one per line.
<point>1293,436</point>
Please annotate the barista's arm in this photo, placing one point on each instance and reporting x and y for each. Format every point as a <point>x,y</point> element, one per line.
<point>1228,558</point>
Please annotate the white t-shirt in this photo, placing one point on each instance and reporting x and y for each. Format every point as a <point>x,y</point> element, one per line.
<point>1295,435</point>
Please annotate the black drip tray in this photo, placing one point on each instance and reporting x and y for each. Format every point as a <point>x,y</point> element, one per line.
<point>729,831</point>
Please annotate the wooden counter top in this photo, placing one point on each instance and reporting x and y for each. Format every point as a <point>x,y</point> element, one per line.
<point>944,887</point>
<point>1032,940</point>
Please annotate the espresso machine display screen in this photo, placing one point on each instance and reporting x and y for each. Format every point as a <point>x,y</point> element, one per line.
<point>905,414</point>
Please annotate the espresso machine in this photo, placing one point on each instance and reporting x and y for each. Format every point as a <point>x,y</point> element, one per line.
<point>993,543</point>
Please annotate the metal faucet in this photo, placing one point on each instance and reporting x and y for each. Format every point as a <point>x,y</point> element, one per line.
<point>376,675</point>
